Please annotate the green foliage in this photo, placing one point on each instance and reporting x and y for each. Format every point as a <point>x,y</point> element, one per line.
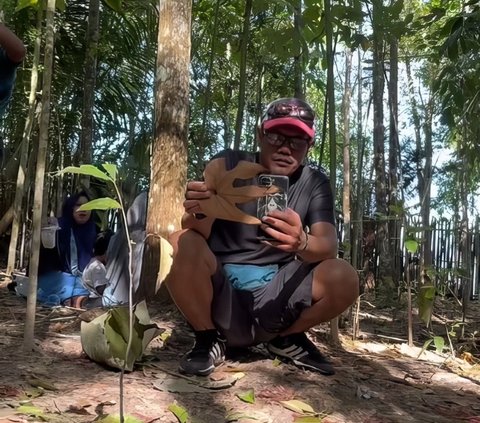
<point>22,4</point>
<point>105,338</point>
<point>426,299</point>
<point>179,412</point>
<point>90,170</point>
<point>438,342</point>
<point>101,204</point>
<point>411,245</point>
<point>247,396</point>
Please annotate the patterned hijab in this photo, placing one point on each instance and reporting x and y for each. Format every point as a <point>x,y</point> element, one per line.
<point>84,235</point>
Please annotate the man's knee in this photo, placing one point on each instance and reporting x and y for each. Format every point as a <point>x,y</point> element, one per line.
<point>191,249</point>
<point>337,280</point>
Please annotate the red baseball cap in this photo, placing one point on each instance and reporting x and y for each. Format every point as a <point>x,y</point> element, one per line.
<point>289,112</point>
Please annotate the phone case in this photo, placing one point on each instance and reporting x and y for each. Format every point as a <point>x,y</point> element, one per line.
<point>276,201</point>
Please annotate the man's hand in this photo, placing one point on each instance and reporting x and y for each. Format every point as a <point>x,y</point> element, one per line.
<point>196,190</point>
<point>287,230</point>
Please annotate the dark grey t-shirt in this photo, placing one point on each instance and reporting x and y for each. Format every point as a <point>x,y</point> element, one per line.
<point>309,194</point>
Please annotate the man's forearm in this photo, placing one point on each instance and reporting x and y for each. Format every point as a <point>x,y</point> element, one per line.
<point>12,45</point>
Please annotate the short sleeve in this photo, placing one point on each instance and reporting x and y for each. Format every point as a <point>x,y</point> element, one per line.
<point>321,207</point>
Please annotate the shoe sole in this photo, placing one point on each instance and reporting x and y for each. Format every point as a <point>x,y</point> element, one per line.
<point>278,353</point>
<point>205,372</point>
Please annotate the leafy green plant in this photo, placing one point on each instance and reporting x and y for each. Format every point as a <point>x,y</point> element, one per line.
<point>438,341</point>
<point>109,174</point>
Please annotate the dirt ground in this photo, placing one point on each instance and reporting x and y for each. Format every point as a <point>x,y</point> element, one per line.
<point>378,378</point>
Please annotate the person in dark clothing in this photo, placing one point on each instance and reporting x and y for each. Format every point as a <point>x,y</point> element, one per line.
<point>60,268</point>
<point>12,53</point>
<point>238,289</point>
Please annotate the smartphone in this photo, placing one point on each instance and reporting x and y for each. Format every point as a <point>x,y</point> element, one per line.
<point>275,201</point>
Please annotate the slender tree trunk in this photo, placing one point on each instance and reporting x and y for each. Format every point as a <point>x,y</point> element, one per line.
<point>393,154</point>
<point>86,136</point>
<point>40,177</point>
<point>298,59</point>
<point>332,138</point>
<point>465,236</point>
<point>424,171</point>
<point>244,41</point>
<point>24,152</point>
<point>169,149</point>
<point>382,238</point>
<point>346,156</point>
<point>358,205</point>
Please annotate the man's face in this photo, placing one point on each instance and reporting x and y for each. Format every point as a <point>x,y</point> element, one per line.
<point>81,217</point>
<point>283,159</point>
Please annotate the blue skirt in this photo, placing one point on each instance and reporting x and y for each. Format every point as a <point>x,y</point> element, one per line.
<point>56,287</point>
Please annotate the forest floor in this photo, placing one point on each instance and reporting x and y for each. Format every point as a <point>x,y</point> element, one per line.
<point>378,377</point>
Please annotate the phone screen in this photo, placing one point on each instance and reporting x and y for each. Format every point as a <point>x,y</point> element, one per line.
<point>274,201</point>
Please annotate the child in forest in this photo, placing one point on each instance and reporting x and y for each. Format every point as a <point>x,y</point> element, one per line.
<point>95,273</point>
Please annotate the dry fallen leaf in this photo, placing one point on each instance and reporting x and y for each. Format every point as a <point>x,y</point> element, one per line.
<point>219,180</point>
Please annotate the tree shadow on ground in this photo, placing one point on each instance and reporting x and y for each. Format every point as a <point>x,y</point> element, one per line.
<point>367,387</point>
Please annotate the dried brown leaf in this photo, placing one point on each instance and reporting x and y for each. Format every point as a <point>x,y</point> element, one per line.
<point>222,205</point>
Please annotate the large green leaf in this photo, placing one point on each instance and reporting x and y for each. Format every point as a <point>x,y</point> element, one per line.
<point>411,245</point>
<point>426,299</point>
<point>101,204</point>
<point>439,343</point>
<point>22,4</point>
<point>60,5</point>
<point>111,170</point>
<point>180,413</point>
<point>88,170</point>
<point>105,338</point>
<point>247,396</point>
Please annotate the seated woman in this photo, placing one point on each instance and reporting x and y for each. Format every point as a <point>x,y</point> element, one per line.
<point>60,268</point>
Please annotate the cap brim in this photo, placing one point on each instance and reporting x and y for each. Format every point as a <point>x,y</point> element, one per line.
<point>291,123</point>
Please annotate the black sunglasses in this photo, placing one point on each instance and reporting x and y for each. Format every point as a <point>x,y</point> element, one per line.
<point>278,140</point>
<point>278,110</point>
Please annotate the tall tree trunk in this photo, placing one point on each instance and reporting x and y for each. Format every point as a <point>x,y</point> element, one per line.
<point>424,171</point>
<point>382,239</point>
<point>465,236</point>
<point>86,136</point>
<point>244,41</point>
<point>298,59</point>
<point>358,204</point>
<point>169,149</point>
<point>393,161</point>
<point>206,105</point>
<point>332,137</point>
<point>346,156</point>
<point>24,152</point>
<point>40,177</point>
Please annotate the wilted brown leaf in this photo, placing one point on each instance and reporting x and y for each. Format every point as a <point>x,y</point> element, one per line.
<point>276,393</point>
<point>222,204</point>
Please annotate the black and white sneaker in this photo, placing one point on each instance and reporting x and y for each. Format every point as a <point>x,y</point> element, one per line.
<point>207,353</point>
<point>302,352</point>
